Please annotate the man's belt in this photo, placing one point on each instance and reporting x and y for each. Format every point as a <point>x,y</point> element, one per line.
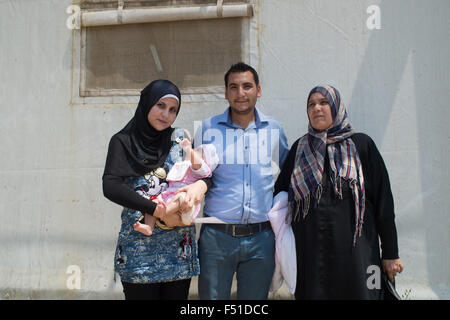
<point>241,230</point>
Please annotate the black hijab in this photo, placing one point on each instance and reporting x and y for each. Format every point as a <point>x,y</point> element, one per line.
<point>139,148</point>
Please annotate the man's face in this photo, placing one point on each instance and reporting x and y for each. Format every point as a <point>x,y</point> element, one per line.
<point>242,92</point>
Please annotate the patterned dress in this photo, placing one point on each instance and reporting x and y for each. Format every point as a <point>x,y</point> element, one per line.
<point>166,255</point>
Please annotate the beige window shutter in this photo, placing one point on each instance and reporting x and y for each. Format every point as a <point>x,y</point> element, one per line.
<point>144,14</point>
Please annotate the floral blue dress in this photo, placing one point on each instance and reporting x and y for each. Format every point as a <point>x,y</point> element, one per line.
<point>166,255</point>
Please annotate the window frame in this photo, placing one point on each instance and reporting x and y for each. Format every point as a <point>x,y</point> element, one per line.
<point>85,96</point>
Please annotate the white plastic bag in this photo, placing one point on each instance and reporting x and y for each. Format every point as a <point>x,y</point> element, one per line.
<point>285,253</point>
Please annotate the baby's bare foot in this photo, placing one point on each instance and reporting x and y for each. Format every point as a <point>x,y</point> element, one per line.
<point>143,228</point>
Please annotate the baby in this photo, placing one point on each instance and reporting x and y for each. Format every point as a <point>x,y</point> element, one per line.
<point>199,163</point>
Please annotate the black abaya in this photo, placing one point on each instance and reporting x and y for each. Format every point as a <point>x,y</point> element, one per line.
<point>328,266</point>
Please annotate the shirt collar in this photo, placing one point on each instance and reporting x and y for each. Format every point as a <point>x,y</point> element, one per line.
<point>260,119</point>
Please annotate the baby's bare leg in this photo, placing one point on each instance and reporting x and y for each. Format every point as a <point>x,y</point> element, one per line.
<point>146,227</point>
<point>150,220</point>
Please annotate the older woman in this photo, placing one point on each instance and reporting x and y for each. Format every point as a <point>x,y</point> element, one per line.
<point>340,202</point>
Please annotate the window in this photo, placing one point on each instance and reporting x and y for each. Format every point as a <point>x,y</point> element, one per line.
<point>126,44</point>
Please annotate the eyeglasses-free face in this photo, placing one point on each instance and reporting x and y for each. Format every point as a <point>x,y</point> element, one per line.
<point>163,113</point>
<point>319,112</point>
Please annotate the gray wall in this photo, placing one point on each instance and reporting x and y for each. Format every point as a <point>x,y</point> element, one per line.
<point>394,82</point>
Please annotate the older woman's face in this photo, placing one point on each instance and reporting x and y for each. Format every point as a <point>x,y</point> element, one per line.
<point>319,112</point>
<point>163,113</point>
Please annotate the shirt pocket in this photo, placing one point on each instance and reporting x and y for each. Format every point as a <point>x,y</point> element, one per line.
<point>266,170</point>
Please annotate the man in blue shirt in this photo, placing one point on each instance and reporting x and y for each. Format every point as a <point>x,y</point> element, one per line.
<point>251,148</point>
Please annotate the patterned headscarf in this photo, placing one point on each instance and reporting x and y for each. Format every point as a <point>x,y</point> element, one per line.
<point>306,180</point>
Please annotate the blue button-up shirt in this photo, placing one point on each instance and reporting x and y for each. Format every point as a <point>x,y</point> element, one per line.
<point>249,160</point>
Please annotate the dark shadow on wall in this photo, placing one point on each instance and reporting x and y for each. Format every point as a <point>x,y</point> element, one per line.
<point>422,43</point>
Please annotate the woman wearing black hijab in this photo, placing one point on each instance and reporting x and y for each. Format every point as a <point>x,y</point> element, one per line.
<point>139,156</point>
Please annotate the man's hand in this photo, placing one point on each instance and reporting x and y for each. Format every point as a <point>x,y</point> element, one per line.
<point>194,195</point>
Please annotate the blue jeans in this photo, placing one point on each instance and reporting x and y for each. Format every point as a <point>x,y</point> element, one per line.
<point>221,255</point>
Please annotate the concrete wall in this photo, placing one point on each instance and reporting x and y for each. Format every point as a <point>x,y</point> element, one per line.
<point>394,81</point>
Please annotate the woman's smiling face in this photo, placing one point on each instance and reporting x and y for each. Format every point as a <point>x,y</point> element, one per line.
<point>163,113</point>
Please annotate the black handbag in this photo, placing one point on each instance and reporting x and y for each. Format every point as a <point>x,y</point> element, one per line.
<point>389,289</point>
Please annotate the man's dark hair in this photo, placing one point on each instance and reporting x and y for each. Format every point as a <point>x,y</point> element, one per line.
<point>241,67</point>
